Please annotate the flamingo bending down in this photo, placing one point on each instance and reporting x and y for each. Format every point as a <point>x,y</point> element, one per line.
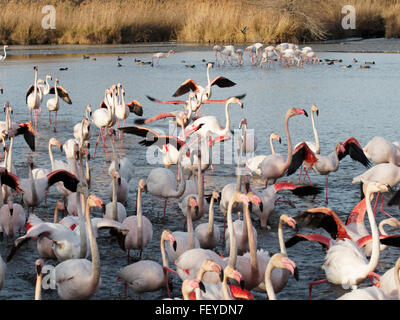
<point>115,210</point>
<point>274,166</point>
<point>148,275</point>
<point>161,55</point>
<point>345,263</point>
<point>82,129</point>
<point>203,93</point>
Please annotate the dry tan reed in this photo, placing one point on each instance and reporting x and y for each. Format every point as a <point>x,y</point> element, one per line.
<point>206,21</point>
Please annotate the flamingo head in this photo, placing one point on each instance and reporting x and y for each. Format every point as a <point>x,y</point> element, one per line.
<point>373,187</point>
<point>172,51</point>
<point>288,220</point>
<point>193,204</point>
<point>35,68</point>
<point>314,108</point>
<point>281,261</point>
<point>89,109</point>
<point>94,201</point>
<point>142,185</point>
<point>241,197</point>
<point>211,266</point>
<point>60,205</point>
<point>235,275</point>
<point>276,137</point>
<point>30,162</point>
<point>242,122</point>
<point>296,111</point>
<point>215,195</point>
<point>168,236</point>
<point>188,286</point>
<point>339,148</point>
<point>115,175</point>
<point>54,142</point>
<point>10,206</point>
<point>39,263</point>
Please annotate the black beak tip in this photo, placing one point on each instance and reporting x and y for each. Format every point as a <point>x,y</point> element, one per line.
<point>38,269</point>
<point>196,210</point>
<point>296,274</point>
<point>317,112</point>
<point>202,287</point>
<point>242,284</point>
<point>221,275</point>
<point>305,113</point>
<point>174,245</point>
<point>261,206</point>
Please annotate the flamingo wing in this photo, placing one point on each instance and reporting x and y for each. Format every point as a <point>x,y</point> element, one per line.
<point>300,154</point>
<point>155,118</point>
<point>354,149</point>
<point>10,179</point>
<point>30,90</point>
<point>324,241</point>
<point>166,102</point>
<point>222,82</point>
<point>63,94</point>
<point>70,180</point>
<point>29,134</point>
<point>185,87</point>
<point>298,190</point>
<point>358,213</point>
<point>240,97</point>
<point>323,218</point>
<point>116,228</point>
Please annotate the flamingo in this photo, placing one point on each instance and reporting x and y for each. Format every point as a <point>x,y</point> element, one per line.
<point>148,275</point>
<point>39,264</point>
<point>380,150</point>
<point>34,97</point>
<point>115,210</point>
<point>248,139</point>
<point>104,117</point>
<point>82,129</point>
<point>253,163</point>
<point>140,228</point>
<point>53,104</point>
<point>185,240</point>
<point>203,93</point>
<point>274,166</point>
<point>209,233</point>
<point>217,50</point>
<point>188,286</point>
<point>161,55</point>
<point>345,263</point>
<point>162,182</point>
<point>314,146</point>
<point>34,189</point>
<point>281,261</point>
<point>80,278</point>
<point>268,197</point>
<point>211,124</point>
<point>12,218</point>
<point>44,86</point>
<point>2,58</point>
<point>389,281</point>
<point>324,165</point>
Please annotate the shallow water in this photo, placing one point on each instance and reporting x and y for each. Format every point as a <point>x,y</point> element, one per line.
<point>352,102</point>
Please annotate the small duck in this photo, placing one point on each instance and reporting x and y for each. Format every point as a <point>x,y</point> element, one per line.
<point>355,60</point>
<point>190,65</point>
<point>94,59</point>
<point>119,58</point>
<point>143,63</point>
<point>63,69</point>
<point>119,65</point>
<point>137,60</point>
<point>346,67</point>
<point>369,62</point>
<point>365,67</point>
<point>86,57</point>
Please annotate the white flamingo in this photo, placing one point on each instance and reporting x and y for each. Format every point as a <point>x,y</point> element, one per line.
<point>3,57</point>
<point>34,97</point>
<point>161,55</point>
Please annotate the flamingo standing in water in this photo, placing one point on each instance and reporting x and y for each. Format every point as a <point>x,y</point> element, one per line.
<point>140,228</point>
<point>203,93</point>
<point>161,55</point>
<point>34,97</point>
<point>274,166</point>
<point>54,104</point>
<point>380,150</point>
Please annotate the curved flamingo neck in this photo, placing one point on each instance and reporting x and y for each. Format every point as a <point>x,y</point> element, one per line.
<point>51,156</point>
<point>139,217</point>
<point>280,237</point>
<point>82,225</point>
<point>225,289</point>
<point>373,262</point>
<point>163,255</point>
<point>317,145</point>
<point>189,224</point>
<point>289,156</point>
<point>33,186</point>
<point>200,187</point>
<point>232,237</point>
<point>95,277</point>
<point>252,243</point>
<point>35,87</point>
<point>38,286</point>
<point>211,218</point>
<point>268,284</point>
<point>271,143</point>
<point>114,207</point>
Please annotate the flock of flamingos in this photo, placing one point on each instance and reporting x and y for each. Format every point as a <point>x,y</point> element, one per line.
<point>352,250</point>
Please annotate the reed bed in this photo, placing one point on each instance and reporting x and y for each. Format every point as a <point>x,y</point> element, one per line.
<point>201,21</point>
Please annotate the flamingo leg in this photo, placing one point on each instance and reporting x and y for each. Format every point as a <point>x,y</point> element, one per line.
<point>306,174</point>
<point>49,117</point>
<point>165,207</point>
<point>371,277</point>
<point>376,203</point>
<point>97,142</point>
<point>381,209</point>
<point>55,122</point>
<point>310,285</point>
<point>298,179</point>
<point>104,136</point>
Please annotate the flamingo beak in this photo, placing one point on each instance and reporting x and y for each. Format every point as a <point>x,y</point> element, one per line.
<point>38,269</point>
<point>221,275</point>
<point>202,287</point>
<point>317,112</point>
<point>242,284</point>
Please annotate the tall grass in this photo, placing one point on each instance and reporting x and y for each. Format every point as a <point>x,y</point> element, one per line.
<point>204,21</point>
